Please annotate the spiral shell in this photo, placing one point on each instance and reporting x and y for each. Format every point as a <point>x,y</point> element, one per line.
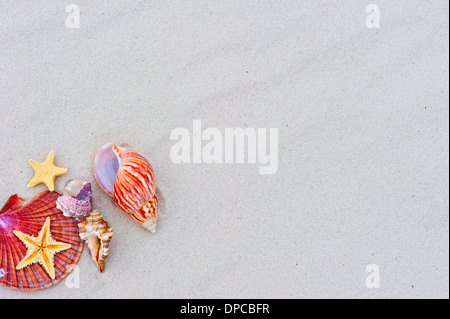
<point>28,216</point>
<point>97,234</point>
<point>129,179</point>
<point>76,201</point>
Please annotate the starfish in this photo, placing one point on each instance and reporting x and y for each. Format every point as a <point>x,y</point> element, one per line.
<point>46,172</point>
<point>41,249</point>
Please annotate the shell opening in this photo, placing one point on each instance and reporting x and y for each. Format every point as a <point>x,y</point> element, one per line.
<point>73,188</point>
<point>106,167</point>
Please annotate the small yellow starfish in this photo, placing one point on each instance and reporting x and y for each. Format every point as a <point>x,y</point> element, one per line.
<point>46,172</point>
<point>41,249</point>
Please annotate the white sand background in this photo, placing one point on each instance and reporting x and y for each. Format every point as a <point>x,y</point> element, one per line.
<point>363,128</point>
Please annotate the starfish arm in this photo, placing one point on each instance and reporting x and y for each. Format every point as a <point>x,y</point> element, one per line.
<point>50,183</point>
<point>35,181</point>
<point>60,170</point>
<point>51,157</point>
<point>47,257</point>
<point>55,247</point>
<point>28,240</point>
<point>46,260</point>
<point>31,257</point>
<point>44,234</point>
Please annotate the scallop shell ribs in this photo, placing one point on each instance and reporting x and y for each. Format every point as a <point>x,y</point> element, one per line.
<point>28,217</point>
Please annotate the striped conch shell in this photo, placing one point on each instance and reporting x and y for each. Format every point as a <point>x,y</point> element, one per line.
<point>97,234</point>
<point>129,179</point>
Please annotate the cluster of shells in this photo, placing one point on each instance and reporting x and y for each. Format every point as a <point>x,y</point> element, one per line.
<point>76,202</point>
<point>123,174</point>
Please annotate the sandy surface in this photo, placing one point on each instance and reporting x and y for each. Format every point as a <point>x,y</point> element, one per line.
<point>362,116</point>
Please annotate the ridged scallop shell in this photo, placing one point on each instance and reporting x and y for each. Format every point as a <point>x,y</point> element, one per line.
<point>77,205</point>
<point>96,233</point>
<point>129,178</point>
<point>28,216</point>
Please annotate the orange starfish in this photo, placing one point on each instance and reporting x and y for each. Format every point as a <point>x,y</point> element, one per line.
<point>41,249</point>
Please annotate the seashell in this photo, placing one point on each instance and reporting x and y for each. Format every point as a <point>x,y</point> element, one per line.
<point>19,215</point>
<point>73,187</point>
<point>76,201</point>
<point>96,233</point>
<point>129,179</point>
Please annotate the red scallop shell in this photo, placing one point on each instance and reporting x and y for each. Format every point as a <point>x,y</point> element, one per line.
<point>28,216</point>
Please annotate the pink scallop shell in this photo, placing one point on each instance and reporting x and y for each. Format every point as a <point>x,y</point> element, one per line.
<point>28,216</point>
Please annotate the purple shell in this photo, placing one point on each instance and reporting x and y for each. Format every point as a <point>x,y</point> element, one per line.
<point>78,206</point>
